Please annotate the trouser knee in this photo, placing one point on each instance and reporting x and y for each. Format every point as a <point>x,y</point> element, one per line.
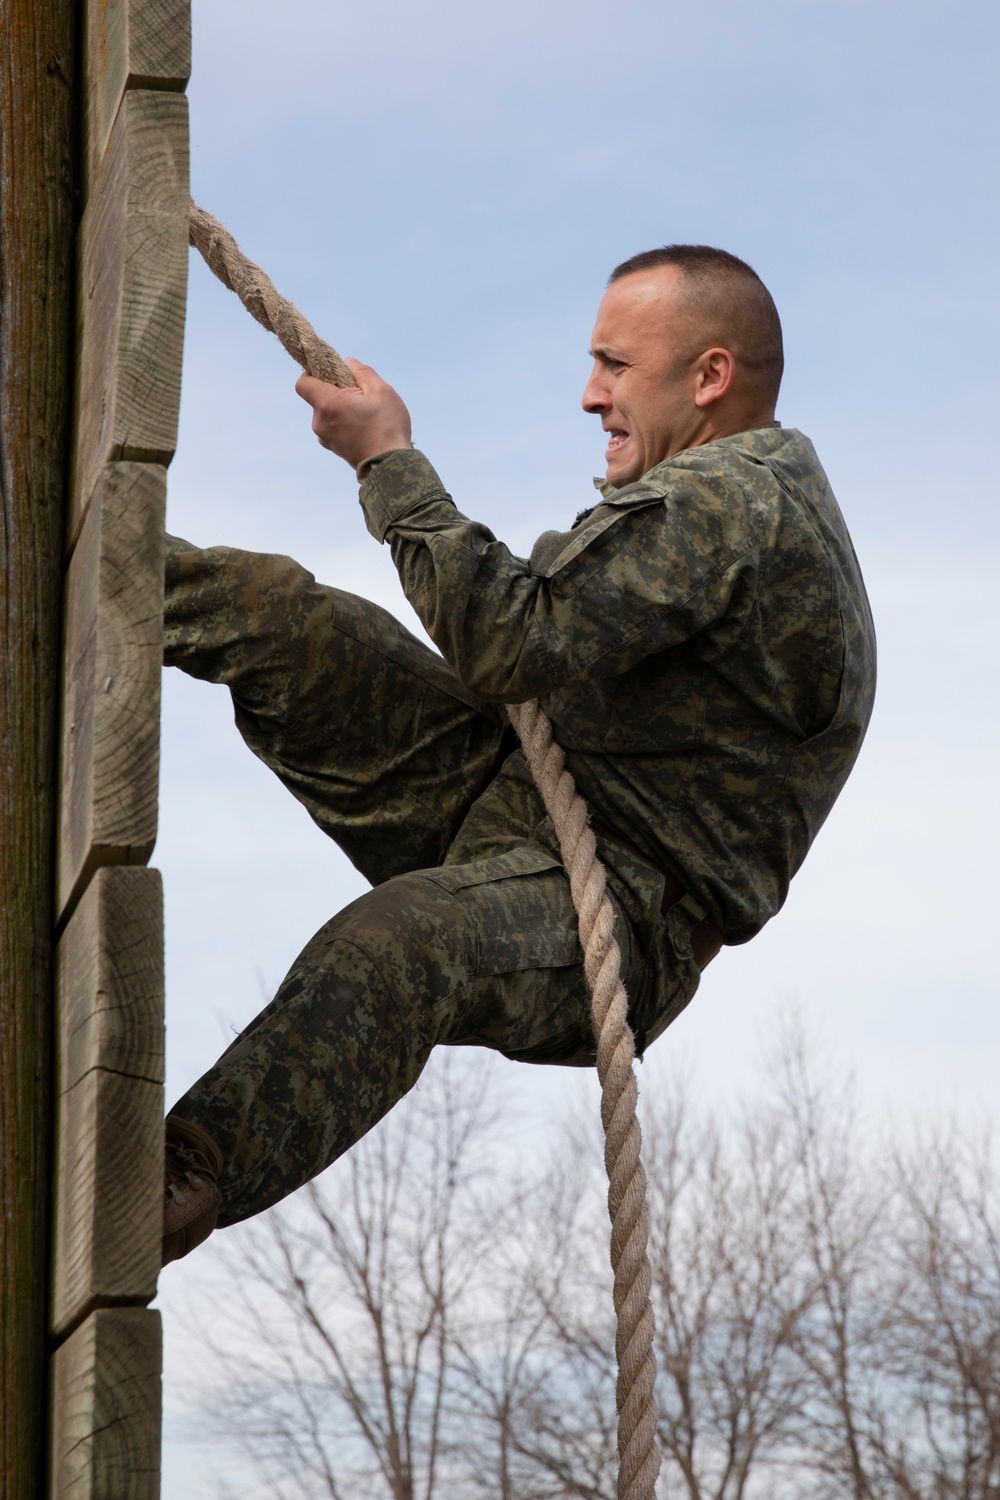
<point>226,612</point>
<point>347,1034</point>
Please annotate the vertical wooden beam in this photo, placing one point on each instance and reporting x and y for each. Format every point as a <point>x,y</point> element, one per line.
<point>38,125</point>
<point>131,264</point>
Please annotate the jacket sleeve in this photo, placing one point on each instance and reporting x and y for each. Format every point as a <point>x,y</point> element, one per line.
<point>644,571</point>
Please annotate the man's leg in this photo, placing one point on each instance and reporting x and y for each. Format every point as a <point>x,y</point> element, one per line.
<point>485,953</point>
<point>372,732</point>
<point>364,724</point>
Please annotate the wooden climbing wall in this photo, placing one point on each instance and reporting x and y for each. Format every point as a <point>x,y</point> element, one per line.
<point>131,289</point>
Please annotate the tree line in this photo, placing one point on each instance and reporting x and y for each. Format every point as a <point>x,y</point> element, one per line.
<point>431,1319</point>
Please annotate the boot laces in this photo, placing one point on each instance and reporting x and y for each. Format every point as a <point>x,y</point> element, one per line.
<point>189,1165</point>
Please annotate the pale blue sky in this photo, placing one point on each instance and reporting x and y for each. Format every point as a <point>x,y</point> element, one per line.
<point>443,188</point>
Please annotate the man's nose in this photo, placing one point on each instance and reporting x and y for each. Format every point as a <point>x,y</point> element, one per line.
<point>595,395</point>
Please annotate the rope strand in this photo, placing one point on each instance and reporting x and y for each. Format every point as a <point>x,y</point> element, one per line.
<point>638,1454</point>
<point>263,301</point>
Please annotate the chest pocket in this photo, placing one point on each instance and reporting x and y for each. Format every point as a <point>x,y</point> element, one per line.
<point>609,513</point>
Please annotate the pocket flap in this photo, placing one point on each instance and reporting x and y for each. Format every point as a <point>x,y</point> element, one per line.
<point>526,859</point>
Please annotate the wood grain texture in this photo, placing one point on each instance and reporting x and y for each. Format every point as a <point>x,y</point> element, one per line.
<point>129,44</point>
<point>106,1408</point>
<point>39,125</point>
<point>109,1109</point>
<point>131,295</point>
<point>111,698</point>
<point>109,1198</point>
<point>109,979</point>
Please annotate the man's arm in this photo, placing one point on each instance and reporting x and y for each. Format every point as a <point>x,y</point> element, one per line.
<point>641,578</point>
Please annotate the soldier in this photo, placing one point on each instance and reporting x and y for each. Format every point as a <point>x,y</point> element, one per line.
<point>700,639</point>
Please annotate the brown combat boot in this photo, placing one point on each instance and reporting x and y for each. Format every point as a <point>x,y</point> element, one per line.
<point>191,1197</point>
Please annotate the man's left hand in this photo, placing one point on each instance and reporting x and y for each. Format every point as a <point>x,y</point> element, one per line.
<point>357,422</point>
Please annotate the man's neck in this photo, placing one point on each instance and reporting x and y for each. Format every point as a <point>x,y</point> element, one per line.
<point>723,424</point>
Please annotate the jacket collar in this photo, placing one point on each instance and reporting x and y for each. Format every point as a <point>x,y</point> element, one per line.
<point>756,442</point>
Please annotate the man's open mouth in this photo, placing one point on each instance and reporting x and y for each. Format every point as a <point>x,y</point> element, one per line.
<point>616,437</point>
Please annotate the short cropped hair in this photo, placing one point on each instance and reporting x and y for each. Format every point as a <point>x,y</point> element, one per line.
<point>736,305</point>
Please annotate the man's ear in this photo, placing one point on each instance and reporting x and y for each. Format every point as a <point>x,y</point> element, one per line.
<point>715,371</point>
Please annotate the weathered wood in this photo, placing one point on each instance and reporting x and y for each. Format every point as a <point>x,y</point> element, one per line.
<point>132,275</point>
<point>131,297</point>
<point>113,656</point>
<point>38,123</point>
<point>109,979</point>
<point>109,1116</point>
<point>129,44</point>
<point>110,1195</point>
<point>106,1404</point>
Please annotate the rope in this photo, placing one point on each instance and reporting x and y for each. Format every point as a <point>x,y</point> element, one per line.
<point>638,1455</point>
<point>263,301</point>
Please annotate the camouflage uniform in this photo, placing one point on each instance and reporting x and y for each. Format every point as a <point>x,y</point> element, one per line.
<point>702,642</point>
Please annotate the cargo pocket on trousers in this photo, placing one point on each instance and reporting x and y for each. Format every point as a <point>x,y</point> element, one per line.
<point>520,906</point>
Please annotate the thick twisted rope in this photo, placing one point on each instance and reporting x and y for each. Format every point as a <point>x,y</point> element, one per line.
<point>638,1455</point>
<point>260,297</point>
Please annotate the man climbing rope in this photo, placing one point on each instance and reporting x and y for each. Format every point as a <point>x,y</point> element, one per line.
<point>702,643</point>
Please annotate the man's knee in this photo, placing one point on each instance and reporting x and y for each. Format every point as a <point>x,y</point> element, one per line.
<point>417,936</point>
<point>225,608</point>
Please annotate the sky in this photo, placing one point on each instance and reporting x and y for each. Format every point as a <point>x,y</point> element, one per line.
<point>443,189</point>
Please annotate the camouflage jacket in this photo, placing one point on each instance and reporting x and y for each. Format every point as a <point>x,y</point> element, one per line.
<point>701,640</point>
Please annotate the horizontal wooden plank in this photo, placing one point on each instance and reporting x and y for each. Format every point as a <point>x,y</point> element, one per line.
<point>111,696</point>
<point>130,44</point>
<point>106,1408</point>
<point>109,1110</point>
<point>131,297</point>
<point>109,1195</point>
<point>109,979</point>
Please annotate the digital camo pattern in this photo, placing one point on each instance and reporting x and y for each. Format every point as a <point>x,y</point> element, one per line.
<point>406,770</point>
<point>701,641</point>
<point>703,645</point>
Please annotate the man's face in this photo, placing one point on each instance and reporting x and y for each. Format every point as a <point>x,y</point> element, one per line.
<point>643,385</point>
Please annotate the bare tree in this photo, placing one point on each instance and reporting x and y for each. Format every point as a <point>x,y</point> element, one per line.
<point>949,1323</point>
<point>538,1373</point>
<point>331,1365</point>
<point>733,1285</point>
<point>923,1418</point>
<point>845,1202</point>
<point>433,1319</point>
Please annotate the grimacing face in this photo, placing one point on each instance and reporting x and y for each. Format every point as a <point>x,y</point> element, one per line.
<point>643,385</point>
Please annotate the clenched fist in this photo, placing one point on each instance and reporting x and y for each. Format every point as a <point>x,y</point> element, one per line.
<point>357,423</point>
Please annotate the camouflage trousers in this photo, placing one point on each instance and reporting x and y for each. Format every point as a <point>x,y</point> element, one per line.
<point>468,936</point>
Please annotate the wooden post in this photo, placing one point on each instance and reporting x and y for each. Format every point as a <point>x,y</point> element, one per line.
<point>38,123</point>
<point>94,181</point>
<point>131,264</point>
